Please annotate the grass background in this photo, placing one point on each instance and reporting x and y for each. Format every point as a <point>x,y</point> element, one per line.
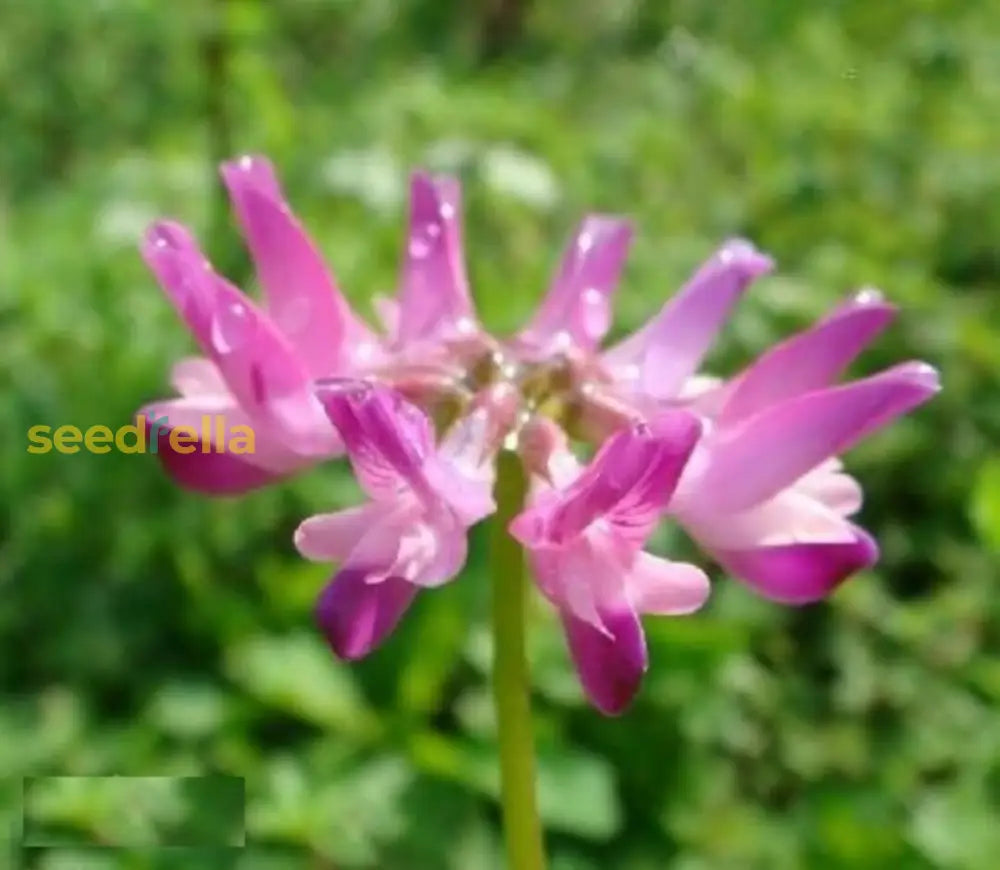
<point>150,632</point>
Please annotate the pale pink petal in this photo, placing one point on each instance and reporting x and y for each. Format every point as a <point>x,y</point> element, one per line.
<point>810,360</point>
<point>668,350</point>
<point>771,450</point>
<point>302,296</point>
<point>197,376</point>
<point>840,492</point>
<point>793,516</point>
<point>577,309</point>
<point>331,537</point>
<point>659,586</point>
<point>434,294</point>
<point>800,573</point>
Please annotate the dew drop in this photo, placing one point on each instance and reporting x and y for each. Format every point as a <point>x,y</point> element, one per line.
<point>246,163</point>
<point>447,211</point>
<point>868,296</point>
<point>231,327</point>
<point>585,242</point>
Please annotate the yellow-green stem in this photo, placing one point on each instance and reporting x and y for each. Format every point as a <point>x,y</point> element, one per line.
<point>511,681</point>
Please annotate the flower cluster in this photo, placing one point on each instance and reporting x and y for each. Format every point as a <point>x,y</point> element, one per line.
<point>749,466</point>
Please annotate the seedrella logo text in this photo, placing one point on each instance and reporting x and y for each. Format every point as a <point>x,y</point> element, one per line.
<point>212,435</point>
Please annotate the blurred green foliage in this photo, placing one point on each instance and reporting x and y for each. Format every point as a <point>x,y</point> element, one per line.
<point>149,632</point>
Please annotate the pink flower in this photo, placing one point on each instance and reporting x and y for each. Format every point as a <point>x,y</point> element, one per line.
<point>261,364</point>
<point>748,466</point>
<point>584,534</point>
<point>412,533</point>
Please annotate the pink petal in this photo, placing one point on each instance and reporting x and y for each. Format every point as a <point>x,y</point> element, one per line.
<point>356,615</point>
<point>182,271</point>
<point>212,473</point>
<point>800,573</point>
<point>388,439</point>
<point>837,491</point>
<point>810,360</point>
<point>782,443</point>
<point>628,483</point>
<point>669,349</point>
<point>302,296</point>
<point>659,586</point>
<point>331,537</point>
<point>434,296</point>
<point>260,368</point>
<point>577,308</point>
<point>610,664</point>
<point>197,376</point>
<point>218,422</point>
<point>793,516</point>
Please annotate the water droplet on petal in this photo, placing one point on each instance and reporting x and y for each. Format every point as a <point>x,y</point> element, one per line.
<point>419,248</point>
<point>868,296</point>
<point>231,327</point>
<point>433,230</point>
<point>447,211</point>
<point>465,326</point>
<point>726,256</point>
<point>585,242</point>
<point>562,340</point>
<point>245,163</point>
<point>596,313</point>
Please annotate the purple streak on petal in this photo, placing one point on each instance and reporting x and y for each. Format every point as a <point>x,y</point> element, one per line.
<point>630,480</point>
<point>669,349</point>
<point>356,615</point>
<point>434,292</point>
<point>578,304</point>
<point>800,573</point>
<point>610,664</point>
<point>388,439</point>
<point>302,296</point>
<point>810,360</point>
<point>773,449</point>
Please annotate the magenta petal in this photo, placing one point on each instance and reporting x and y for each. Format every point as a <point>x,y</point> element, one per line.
<point>577,308</point>
<point>810,360</point>
<point>261,369</point>
<point>210,473</point>
<point>610,664</point>
<point>630,480</point>
<point>434,294</point>
<point>388,439</point>
<point>182,271</point>
<point>800,573</point>
<point>356,616</point>
<point>302,296</point>
<point>773,449</point>
<point>669,349</point>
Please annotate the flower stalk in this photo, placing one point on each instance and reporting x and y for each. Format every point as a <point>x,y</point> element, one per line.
<point>511,682</point>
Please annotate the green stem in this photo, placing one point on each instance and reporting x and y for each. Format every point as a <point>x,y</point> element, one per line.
<point>511,681</point>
